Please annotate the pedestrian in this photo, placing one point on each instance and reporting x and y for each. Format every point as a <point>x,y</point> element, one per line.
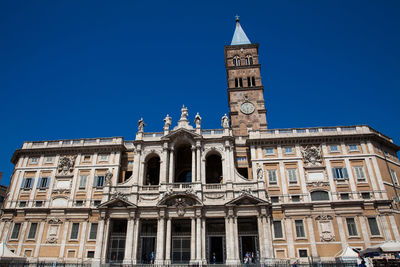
<point>214,258</point>
<point>362,264</point>
<point>245,260</point>
<point>294,264</point>
<point>152,257</point>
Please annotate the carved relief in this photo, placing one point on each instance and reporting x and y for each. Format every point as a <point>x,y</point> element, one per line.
<point>55,221</point>
<point>312,156</point>
<point>119,195</point>
<point>260,173</point>
<point>66,165</point>
<point>108,177</point>
<point>325,227</point>
<point>214,195</point>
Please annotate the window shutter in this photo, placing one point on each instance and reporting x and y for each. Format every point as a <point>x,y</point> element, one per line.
<point>48,182</point>
<point>345,174</point>
<point>31,185</point>
<point>23,182</point>
<point>334,173</point>
<point>39,182</point>
<point>95,181</point>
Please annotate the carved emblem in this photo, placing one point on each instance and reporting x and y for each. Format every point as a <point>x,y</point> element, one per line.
<point>325,227</point>
<point>312,156</point>
<point>66,165</point>
<point>246,191</point>
<point>108,177</point>
<point>180,206</point>
<point>55,221</point>
<point>119,195</point>
<point>51,240</point>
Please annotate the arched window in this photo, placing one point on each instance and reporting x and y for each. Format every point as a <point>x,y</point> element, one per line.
<point>249,60</point>
<point>183,165</point>
<point>152,176</point>
<point>213,169</point>
<point>236,61</point>
<point>319,195</point>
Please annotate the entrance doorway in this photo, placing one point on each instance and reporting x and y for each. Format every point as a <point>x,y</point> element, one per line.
<point>116,247</point>
<point>215,234</point>
<point>181,241</point>
<point>248,238</point>
<point>147,243</point>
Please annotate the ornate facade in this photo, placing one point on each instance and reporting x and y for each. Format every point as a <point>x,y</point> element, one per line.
<point>188,194</point>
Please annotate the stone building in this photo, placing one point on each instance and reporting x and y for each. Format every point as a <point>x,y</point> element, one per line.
<point>187,194</point>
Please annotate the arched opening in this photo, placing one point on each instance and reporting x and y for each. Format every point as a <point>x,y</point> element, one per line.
<point>213,169</point>
<point>183,164</point>
<point>319,195</point>
<point>152,171</point>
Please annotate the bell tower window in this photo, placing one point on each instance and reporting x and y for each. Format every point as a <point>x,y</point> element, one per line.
<point>249,60</point>
<point>236,61</point>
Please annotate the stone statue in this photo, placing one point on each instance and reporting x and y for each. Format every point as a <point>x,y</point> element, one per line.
<point>141,125</point>
<point>225,121</point>
<point>260,172</point>
<point>108,177</point>
<point>167,122</point>
<point>184,113</point>
<point>197,120</point>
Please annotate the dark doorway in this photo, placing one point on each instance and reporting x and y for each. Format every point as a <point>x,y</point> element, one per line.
<point>213,169</point>
<point>116,247</point>
<point>248,237</point>
<point>147,243</point>
<point>216,244</point>
<point>181,241</point>
<point>183,164</point>
<point>153,171</point>
<point>215,233</point>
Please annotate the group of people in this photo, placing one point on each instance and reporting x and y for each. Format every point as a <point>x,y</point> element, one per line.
<point>249,258</point>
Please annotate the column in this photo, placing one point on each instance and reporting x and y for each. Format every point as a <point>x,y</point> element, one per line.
<point>261,237</point>
<point>198,239</point>
<point>129,241</point>
<point>39,239</point>
<point>135,241</point>
<point>7,225</point>
<point>311,235</point>
<point>168,243</point>
<point>385,227</point>
<point>283,182</point>
<point>203,241</point>
<point>394,227</point>
<point>193,241</point>
<point>164,166</point>
<point>22,237</point>
<point>194,178</point>
<point>268,238</point>
<point>228,241</point>
<point>136,165</point>
<point>171,166</point>
<point>64,237</point>
<point>364,231</point>
<point>198,179</point>
<point>160,241</point>
<point>99,241</point>
<point>82,240</point>
<point>341,233</point>
<point>236,257</point>
<point>105,240</point>
<point>289,236</point>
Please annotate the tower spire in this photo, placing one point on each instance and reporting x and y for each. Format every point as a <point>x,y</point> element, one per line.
<point>239,37</point>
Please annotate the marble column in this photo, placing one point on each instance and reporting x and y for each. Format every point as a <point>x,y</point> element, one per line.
<point>198,239</point>
<point>82,239</point>
<point>135,241</point>
<point>198,165</point>
<point>129,241</point>
<point>105,240</point>
<point>160,241</point>
<point>203,241</point>
<point>39,238</point>
<point>171,166</point>
<point>193,241</point>
<point>268,238</point>
<point>168,243</point>
<point>311,235</point>
<point>261,237</point>
<point>21,237</point>
<point>194,178</point>
<point>99,241</point>
<point>64,237</point>
<point>228,239</point>
<point>163,166</point>
<point>236,256</point>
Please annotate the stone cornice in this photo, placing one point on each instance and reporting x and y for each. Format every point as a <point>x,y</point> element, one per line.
<point>254,88</point>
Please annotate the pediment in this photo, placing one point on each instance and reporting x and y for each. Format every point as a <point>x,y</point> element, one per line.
<point>174,199</point>
<point>181,132</point>
<point>117,203</point>
<point>246,199</point>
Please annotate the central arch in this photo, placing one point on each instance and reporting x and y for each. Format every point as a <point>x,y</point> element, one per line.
<point>183,164</point>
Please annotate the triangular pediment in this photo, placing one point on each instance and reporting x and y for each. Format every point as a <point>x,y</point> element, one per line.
<point>246,199</point>
<point>117,203</point>
<point>181,132</point>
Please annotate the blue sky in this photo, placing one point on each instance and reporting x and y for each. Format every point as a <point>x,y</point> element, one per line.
<point>80,69</point>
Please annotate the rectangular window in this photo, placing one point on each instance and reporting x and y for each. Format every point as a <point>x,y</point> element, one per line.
<point>32,231</point>
<point>288,150</point>
<point>303,253</point>
<point>296,198</point>
<point>353,147</point>
<point>43,182</point>
<point>340,173</point>
<point>292,176</point>
<point>98,181</point>
<point>274,199</point>
<point>27,183</point>
<point>130,162</point>
<point>351,227</point>
<point>87,157</point>
<point>241,158</point>
<point>359,173</point>
<point>272,176</point>
<point>344,196</point>
<point>103,157</point>
<point>90,254</point>
<point>79,203</point>
<point>82,181</point>
<point>22,204</point>
<point>334,148</point>
<point>38,204</point>
<point>394,177</point>
<point>15,231</point>
<point>373,226</point>
<point>96,203</point>
<point>34,160</point>
<point>269,151</point>
<point>74,231</point>
<point>278,233</point>
<point>365,195</point>
<point>49,159</point>
<point>93,231</point>
<point>299,229</point>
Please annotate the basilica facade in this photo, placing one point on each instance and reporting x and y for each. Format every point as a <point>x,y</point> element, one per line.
<point>193,195</point>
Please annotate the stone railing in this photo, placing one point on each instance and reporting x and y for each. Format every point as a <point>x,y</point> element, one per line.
<point>214,187</point>
<point>317,131</point>
<point>74,143</point>
<point>149,188</point>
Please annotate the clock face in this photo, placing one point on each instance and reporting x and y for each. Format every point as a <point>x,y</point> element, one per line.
<point>247,108</point>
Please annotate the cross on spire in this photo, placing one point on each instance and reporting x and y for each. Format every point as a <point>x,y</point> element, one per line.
<point>237,18</point>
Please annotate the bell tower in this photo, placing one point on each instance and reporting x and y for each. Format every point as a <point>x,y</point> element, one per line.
<point>245,90</point>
